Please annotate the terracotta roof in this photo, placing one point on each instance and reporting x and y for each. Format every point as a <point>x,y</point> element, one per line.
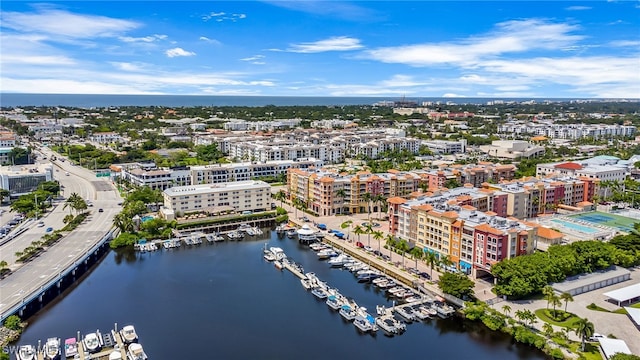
<point>549,233</point>
<point>488,229</point>
<point>396,200</point>
<point>491,213</point>
<point>538,138</point>
<point>326,179</point>
<point>584,203</point>
<point>450,214</point>
<point>468,207</point>
<point>569,166</point>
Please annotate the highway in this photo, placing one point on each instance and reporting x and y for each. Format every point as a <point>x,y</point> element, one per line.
<point>29,277</point>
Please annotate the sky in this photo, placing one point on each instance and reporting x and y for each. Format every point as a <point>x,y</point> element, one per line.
<point>501,49</point>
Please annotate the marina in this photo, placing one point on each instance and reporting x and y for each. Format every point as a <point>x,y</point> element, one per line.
<point>197,276</point>
<point>110,345</point>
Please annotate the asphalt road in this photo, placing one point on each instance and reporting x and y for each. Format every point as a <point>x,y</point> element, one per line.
<point>28,277</point>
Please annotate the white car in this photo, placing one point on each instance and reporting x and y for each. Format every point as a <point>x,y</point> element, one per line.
<point>40,224</point>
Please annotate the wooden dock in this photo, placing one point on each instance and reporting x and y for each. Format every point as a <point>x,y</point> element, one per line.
<point>116,335</point>
<point>293,270</point>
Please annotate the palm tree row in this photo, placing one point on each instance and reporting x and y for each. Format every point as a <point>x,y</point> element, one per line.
<point>75,202</point>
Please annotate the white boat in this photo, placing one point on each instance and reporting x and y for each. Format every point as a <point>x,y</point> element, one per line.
<point>281,229</point>
<point>387,325</point>
<point>318,246</point>
<point>308,284</point>
<point>257,230</point>
<point>129,334</point>
<point>136,352</point>
<point>326,253</point>
<point>420,312</point>
<point>269,256</point>
<point>278,252</point>
<point>291,233</point>
<point>244,227</point>
<point>92,342</point>
<point>339,260</point>
<point>405,312</point>
<point>52,348</point>
<point>235,235</point>
<point>348,312</point>
<point>362,324</point>
<point>250,231</point>
<point>335,301</point>
<point>115,355</point>
<point>320,292</point>
<point>278,264</point>
<point>70,348</point>
<point>26,352</point>
<point>444,310</point>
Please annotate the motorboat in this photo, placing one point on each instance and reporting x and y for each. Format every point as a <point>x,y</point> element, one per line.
<point>277,252</point>
<point>357,267</point>
<point>339,260</point>
<point>244,227</point>
<point>326,253</point>
<point>52,348</point>
<point>394,291</point>
<point>348,312</point>
<point>307,283</point>
<point>269,256</point>
<point>136,352</point>
<point>70,348</point>
<point>257,230</point>
<point>26,352</point>
<point>250,231</point>
<point>443,310</point>
<point>387,325</point>
<point>420,312</point>
<point>291,233</point>
<point>362,324</point>
<point>235,235</point>
<point>318,246</point>
<point>320,292</point>
<point>413,299</point>
<point>334,302</point>
<point>278,264</point>
<point>379,280</point>
<point>92,342</point>
<point>368,276</point>
<point>405,312</point>
<point>129,334</point>
<point>281,229</point>
<point>116,355</point>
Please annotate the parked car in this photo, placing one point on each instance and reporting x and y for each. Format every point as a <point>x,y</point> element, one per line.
<point>100,210</point>
<point>359,244</point>
<point>40,224</point>
<point>49,229</point>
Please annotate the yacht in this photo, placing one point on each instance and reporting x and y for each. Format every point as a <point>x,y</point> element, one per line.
<point>136,352</point>
<point>269,256</point>
<point>291,233</point>
<point>244,227</point>
<point>320,292</point>
<point>335,301</point>
<point>348,312</point>
<point>26,352</point>
<point>405,312</point>
<point>52,348</point>
<point>92,342</point>
<point>278,252</point>
<point>326,253</point>
<point>115,355</point>
<point>235,235</point>
<point>129,334</point>
<point>257,230</point>
<point>281,229</point>
<point>70,348</point>
<point>339,260</point>
<point>250,231</point>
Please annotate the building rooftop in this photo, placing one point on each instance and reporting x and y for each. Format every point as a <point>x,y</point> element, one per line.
<point>587,279</point>
<point>209,188</point>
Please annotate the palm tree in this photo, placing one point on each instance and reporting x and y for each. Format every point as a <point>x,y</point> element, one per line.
<point>555,301</point>
<point>358,230</point>
<point>403,246</point>
<point>506,309</point>
<point>432,259</point>
<point>584,329</point>
<point>281,196</point>
<point>367,198</point>
<point>3,194</point>
<point>71,202</point>
<point>547,329</point>
<point>566,297</point>
<point>3,266</point>
<point>521,315</point>
<point>123,221</point>
<point>446,262</point>
<point>341,193</point>
<point>380,200</point>
<point>548,292</point>
<point>369,230</point>
<point>391,243</point>
<point>530,317</point>
<point>417,254</point>
<point>378,235</point>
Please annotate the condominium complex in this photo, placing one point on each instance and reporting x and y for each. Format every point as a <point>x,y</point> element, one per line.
<point>566,131</point>
<point>472,240</point>
<point>238,196</point>
<point>512,149</point>
<point>446,147</point>
<point>602,171</point>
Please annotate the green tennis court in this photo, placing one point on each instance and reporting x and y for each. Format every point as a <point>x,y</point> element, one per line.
<point>622,223</point>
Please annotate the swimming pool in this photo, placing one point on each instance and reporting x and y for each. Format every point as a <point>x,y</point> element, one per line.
<point>576,227</point>
<point>146,218</point>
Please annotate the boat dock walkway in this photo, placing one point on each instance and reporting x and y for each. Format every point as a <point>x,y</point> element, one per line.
<point>294,271</point>
<point>120,343</point>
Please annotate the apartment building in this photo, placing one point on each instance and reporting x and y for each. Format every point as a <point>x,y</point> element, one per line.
<point>512,149</point>
<point>566,131</point>
<point>583,169</point>
<point>240,196</point>
<point>106,137</point>
<point>446,147</point>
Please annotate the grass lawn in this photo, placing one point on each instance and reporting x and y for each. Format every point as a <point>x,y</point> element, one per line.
<point>591,351</point>
<point>636,305</point>
<point>568,321</point>
<point>617,311</point>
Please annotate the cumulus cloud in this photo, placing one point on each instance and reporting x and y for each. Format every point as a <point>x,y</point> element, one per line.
<point>508,37</point>
<point>339,43</point>
<point>175,52</point>
<point>60,23</point>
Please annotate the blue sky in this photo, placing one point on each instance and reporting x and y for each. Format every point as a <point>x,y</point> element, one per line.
<point>541,49</point>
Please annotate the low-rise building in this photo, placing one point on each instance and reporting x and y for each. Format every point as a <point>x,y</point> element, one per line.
<point>24,179</point>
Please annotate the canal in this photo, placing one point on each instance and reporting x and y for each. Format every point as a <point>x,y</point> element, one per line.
<point>225,301</point>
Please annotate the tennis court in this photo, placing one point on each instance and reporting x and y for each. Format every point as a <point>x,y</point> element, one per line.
<point>622,223</point>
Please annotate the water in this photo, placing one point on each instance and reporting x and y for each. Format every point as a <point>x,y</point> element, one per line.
<point>224,301</point>
<point>89,101</point>
<point>577,227</point>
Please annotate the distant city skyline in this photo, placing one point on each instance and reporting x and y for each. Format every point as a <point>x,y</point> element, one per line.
<point>501,49</point>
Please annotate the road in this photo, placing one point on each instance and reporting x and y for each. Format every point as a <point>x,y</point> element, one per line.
<point>28,277</point>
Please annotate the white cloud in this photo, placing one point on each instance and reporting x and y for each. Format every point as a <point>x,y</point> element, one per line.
<point>210,41</point>
<point>253,58</point>
<point>626,43</point>
<point>339,43</point>
<point>222,16</point>
<point>145,39</point>
<point>178,52</point>
<point>578,8</point>
<point>60,23</point>
<point>509,37</point>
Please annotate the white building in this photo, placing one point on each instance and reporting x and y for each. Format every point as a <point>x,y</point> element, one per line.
<point>566,131</point>
<point>24,179</point>
<point>446,147</point>
<point>241,196</point>
<point>512,149</point>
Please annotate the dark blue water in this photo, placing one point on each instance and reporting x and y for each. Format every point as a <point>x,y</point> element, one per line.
<point>90,101</point>
<point>224,301</point>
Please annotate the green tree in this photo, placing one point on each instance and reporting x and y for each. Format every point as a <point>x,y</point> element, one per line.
<point>432,259</point>
<point>368,227</point>
<point>506,309</point>
<point>555,301</point>
<point>342,194</point>
<point>367,197</point>
<point>13,322</point>
<point>391,243</point>
<point>547,329</point>
<point>584,329</point>
<point>548,293</point>
<point>566,297</point>
<point>358,230</point>
<point>280,196</point>
<point>417,254</point>
<point>456,284</point>
<point>403,246</point>
<point>72,201</point>
<point>4,193</point>
<point>378,235</point>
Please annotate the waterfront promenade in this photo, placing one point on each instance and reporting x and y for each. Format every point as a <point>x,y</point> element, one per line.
<point>29,278</point>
